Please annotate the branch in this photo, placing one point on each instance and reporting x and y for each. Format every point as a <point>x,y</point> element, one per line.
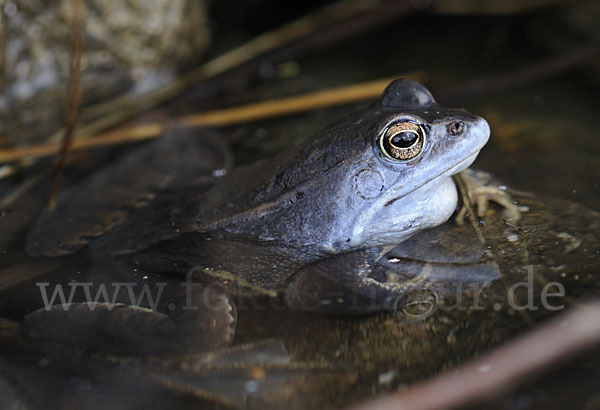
<point>228,116</point>
<point>556,340</point>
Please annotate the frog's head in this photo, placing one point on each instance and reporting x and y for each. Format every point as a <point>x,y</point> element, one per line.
<point>373,178</point>
<point>391,177</point>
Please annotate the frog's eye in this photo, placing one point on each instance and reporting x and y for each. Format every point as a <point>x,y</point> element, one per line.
<point>403,140</point>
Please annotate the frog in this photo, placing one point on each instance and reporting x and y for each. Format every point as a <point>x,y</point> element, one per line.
<point>307,225</point>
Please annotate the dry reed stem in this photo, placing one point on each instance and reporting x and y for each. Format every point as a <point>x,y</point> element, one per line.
<point>228,116</point>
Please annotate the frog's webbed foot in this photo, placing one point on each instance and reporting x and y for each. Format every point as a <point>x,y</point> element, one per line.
<point>482,189</point>
<point>120,329</point>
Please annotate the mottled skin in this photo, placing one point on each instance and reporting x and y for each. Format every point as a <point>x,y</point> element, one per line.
<point>262,228</point>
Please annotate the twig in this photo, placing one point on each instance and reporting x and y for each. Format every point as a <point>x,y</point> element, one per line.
<point>229,116</point>
<point>77,22</point>
<point>121,108</point>
<point>379,14</point>
<point>471,89</point>
<point>552,342</point>
<point>501,82</point>
<point>464,193</point>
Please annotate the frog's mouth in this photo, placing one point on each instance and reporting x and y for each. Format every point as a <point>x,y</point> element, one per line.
<point>455,169</point>
<point>462,165</point>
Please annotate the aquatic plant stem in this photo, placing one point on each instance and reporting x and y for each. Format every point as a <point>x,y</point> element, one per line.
<point>73,98</point>
<point>227,116</point>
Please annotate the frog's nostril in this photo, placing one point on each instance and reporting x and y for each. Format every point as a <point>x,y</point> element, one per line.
<point>457,128</point>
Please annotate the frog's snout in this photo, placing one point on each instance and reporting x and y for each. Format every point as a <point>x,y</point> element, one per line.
<point>482,131</point>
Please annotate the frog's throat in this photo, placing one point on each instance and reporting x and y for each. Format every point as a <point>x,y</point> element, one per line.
<point>402,228</point>
<point>381,226</point>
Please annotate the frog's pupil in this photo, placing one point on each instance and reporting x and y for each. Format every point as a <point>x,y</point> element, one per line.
<point>404,139</point>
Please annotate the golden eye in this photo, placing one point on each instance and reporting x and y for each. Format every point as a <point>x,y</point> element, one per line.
<point>403,140</point>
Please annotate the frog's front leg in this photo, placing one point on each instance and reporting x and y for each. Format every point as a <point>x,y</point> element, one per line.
<point>482,189</point>
<point>346,283</point>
